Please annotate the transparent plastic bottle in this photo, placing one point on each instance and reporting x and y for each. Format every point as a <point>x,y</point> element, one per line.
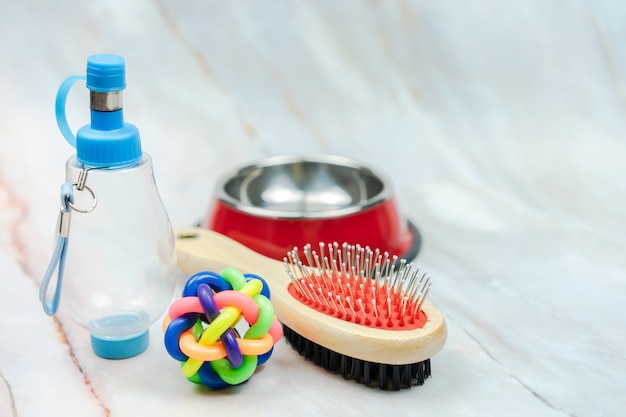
<point>120,263</point>
<point>120,258</point>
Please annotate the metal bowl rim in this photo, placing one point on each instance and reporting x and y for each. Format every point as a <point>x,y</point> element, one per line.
<point>383,195</point>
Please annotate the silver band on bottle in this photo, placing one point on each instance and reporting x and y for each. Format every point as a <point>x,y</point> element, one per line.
<point>109,101</point>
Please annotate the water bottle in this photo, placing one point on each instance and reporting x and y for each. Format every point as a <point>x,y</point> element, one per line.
<point>117,260</point>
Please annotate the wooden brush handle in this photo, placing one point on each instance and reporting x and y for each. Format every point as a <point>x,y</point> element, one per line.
<point>204,250</point>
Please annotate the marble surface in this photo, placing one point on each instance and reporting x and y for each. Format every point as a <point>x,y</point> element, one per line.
<point>501,124</point>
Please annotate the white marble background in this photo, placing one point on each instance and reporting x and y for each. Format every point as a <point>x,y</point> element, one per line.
<point>501,123</point>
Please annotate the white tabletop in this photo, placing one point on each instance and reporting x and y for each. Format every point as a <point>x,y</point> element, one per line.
<point>501,126</point>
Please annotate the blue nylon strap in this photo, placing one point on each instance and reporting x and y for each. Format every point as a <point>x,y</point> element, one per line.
<point>58,258</point>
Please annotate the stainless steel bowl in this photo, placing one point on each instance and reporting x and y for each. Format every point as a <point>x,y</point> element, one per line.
<point>304,187</point>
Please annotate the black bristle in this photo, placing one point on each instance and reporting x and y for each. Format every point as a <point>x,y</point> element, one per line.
<point>333,360</point>
<point>393,377</point>
<point>344,366</point>
<point>406,375</point>
<point>356,370</point>
<point>324,358</point>
<point>308,349</point>
<point>317,355</point>
<point>382,376</point>
<point>367,376</point>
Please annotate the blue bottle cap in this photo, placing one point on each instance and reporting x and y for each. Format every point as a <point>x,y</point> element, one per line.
<point>108,141</point>
<point>106,73</point>
<point>120,348</point>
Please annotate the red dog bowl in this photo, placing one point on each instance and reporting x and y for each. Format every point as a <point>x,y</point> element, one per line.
<point>286,201</point>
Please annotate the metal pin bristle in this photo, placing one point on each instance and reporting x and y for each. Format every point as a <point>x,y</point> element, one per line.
<point>353,283</point>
